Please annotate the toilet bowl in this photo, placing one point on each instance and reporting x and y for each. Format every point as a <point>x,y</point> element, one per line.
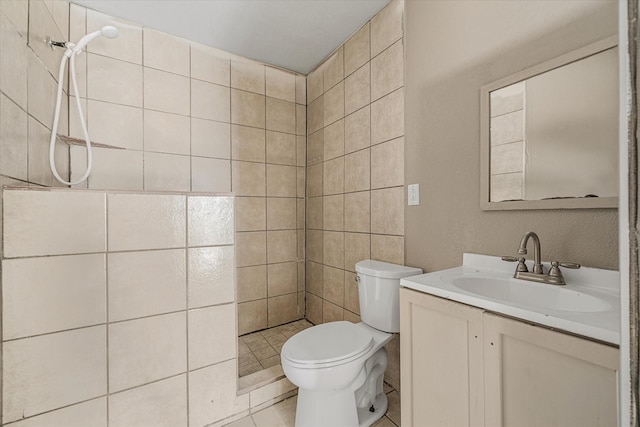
<point>339,366</point>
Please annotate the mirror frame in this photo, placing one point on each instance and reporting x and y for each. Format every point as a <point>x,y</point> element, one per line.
<point>485,143</point>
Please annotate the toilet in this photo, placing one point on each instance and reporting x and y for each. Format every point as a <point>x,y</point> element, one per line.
<point>339,366</point>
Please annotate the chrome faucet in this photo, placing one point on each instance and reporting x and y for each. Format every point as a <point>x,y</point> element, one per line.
<point>554,277</point>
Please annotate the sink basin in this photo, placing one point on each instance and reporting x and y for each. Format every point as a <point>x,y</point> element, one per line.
<point>524,293</point>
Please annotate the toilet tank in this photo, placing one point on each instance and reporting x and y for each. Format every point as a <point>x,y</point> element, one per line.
<point>379,292</point>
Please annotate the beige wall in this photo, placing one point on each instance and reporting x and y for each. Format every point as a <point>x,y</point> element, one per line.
<point>355,162</point>
<point>452,49</point>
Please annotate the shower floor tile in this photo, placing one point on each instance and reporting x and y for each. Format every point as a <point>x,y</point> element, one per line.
<point>261,350</point>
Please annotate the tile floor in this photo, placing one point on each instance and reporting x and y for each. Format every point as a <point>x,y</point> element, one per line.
<point>261,350</point>
<point>283,414</point>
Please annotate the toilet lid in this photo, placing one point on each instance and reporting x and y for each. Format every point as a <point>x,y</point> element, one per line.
<point>326,343</point>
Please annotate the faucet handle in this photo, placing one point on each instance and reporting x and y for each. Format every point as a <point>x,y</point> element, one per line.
<point>522,267</point>
<point>554,271</point>
<point>568,264</point>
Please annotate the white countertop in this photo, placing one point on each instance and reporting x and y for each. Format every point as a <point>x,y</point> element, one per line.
<point>603,284</point>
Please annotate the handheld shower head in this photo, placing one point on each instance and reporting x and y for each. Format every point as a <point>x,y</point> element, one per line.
<point>107,31</point>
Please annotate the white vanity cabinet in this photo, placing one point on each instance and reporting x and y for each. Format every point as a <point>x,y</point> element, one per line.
<point>463,366</point>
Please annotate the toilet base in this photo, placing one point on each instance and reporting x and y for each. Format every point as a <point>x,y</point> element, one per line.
<point>336,409</point>
<point>349,407</point>
<point>367,418</point>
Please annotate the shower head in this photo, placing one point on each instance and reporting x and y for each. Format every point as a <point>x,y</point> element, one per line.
<point>107,31</point>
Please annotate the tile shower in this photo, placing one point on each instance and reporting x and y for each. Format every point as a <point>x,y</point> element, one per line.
<point>196,119</point>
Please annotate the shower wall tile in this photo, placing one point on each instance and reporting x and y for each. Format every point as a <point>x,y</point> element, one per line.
<point>387,211</point>
<point>301,90</point>
<point>281,246</point>
<point>126,134</point>
<point>210,175</point>
<point>211,276</point>
<point>282,309</point>
<point>252,283</point>
<point>355,164</point>
<point>281,148</point>
<point>247,109</point>
<point>281,181</point>
<point>386,27</point>
<point>251,248</point>
<point>13,139</point>
<point>166,92</point>
<point>51,294</point>
<point>251,213</point>
<point>126,47</point>
<point>387,117</point>
<point>92,413</point>
<point>210,139</point>
<point>334,104</point>
<point>159,221</point>
<point>41,25</point>
<point>357,89</point>
<point>281,115</point>
<point>60,378</point>
<point>50,371</point>
<point>334,69</point>
<point>282,278</point>
<point>357,50</point>
<point>146,283</point>
<point>212,335</point>
<point>248,76</point>
<point>281,213</point>
<point>165,52</point>
<point>387,164</point>
<point>210,221</point>
<point>252,316</point>
<point>166,172</point>
<point>146,350</point>
<point>333,212</point>
<point>334,140</point>
<point>280,84</point>
<point>248,144</point>
<point>12,81</point>
<point>387,248</point>
<point>315,84</point>
<point>41,98</point>
<point>210,64</point>
<point>166,133</point>
<point>210,101</point>
<point>357,246</point>
<point>357,130</point>
<point>18,14</point>
<point>163,403</point>
<point>387,71</point>
<point>116,81</point>
<point>112,169</point>
<point>248,179</point>
<point>209,404</point>
<point>358,174</point>
<point>75,223</point>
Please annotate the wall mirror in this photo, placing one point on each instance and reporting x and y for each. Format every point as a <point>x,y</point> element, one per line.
<point>550,134</point>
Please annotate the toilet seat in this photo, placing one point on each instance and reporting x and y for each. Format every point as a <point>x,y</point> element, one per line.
<point>329,344</point>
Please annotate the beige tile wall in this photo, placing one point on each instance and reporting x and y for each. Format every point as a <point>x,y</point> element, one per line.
<point>193,118</point>
<point>355,164</point>
<point>28,84</point>
<point>134,331</point>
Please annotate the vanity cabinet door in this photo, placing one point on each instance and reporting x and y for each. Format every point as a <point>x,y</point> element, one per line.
<point>539,377</point>
<point>440,362</point>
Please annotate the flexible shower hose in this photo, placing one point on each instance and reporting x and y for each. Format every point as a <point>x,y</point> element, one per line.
<point>56,117</point>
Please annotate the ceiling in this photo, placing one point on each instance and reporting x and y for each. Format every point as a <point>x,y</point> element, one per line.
<point>293,34</point>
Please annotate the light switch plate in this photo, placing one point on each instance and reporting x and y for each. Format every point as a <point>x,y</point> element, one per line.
<point>413,191</point>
